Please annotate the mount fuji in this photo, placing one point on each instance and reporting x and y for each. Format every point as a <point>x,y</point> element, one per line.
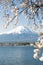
<point>19,34</point>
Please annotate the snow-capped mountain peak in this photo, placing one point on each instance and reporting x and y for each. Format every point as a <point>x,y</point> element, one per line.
<point>19,34</point>
<point>16,30</point>
<point>19,30</point>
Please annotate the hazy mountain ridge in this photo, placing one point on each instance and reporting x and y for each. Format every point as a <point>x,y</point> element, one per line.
<point>19,34</point>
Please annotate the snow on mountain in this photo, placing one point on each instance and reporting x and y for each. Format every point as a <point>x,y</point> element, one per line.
<point>19,30</point>
<point>19,34</point>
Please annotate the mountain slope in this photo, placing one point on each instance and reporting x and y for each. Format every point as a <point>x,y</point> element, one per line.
<point>19,34</point>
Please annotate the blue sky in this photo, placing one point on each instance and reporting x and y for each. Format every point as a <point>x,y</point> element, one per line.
<point>22,21</point>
